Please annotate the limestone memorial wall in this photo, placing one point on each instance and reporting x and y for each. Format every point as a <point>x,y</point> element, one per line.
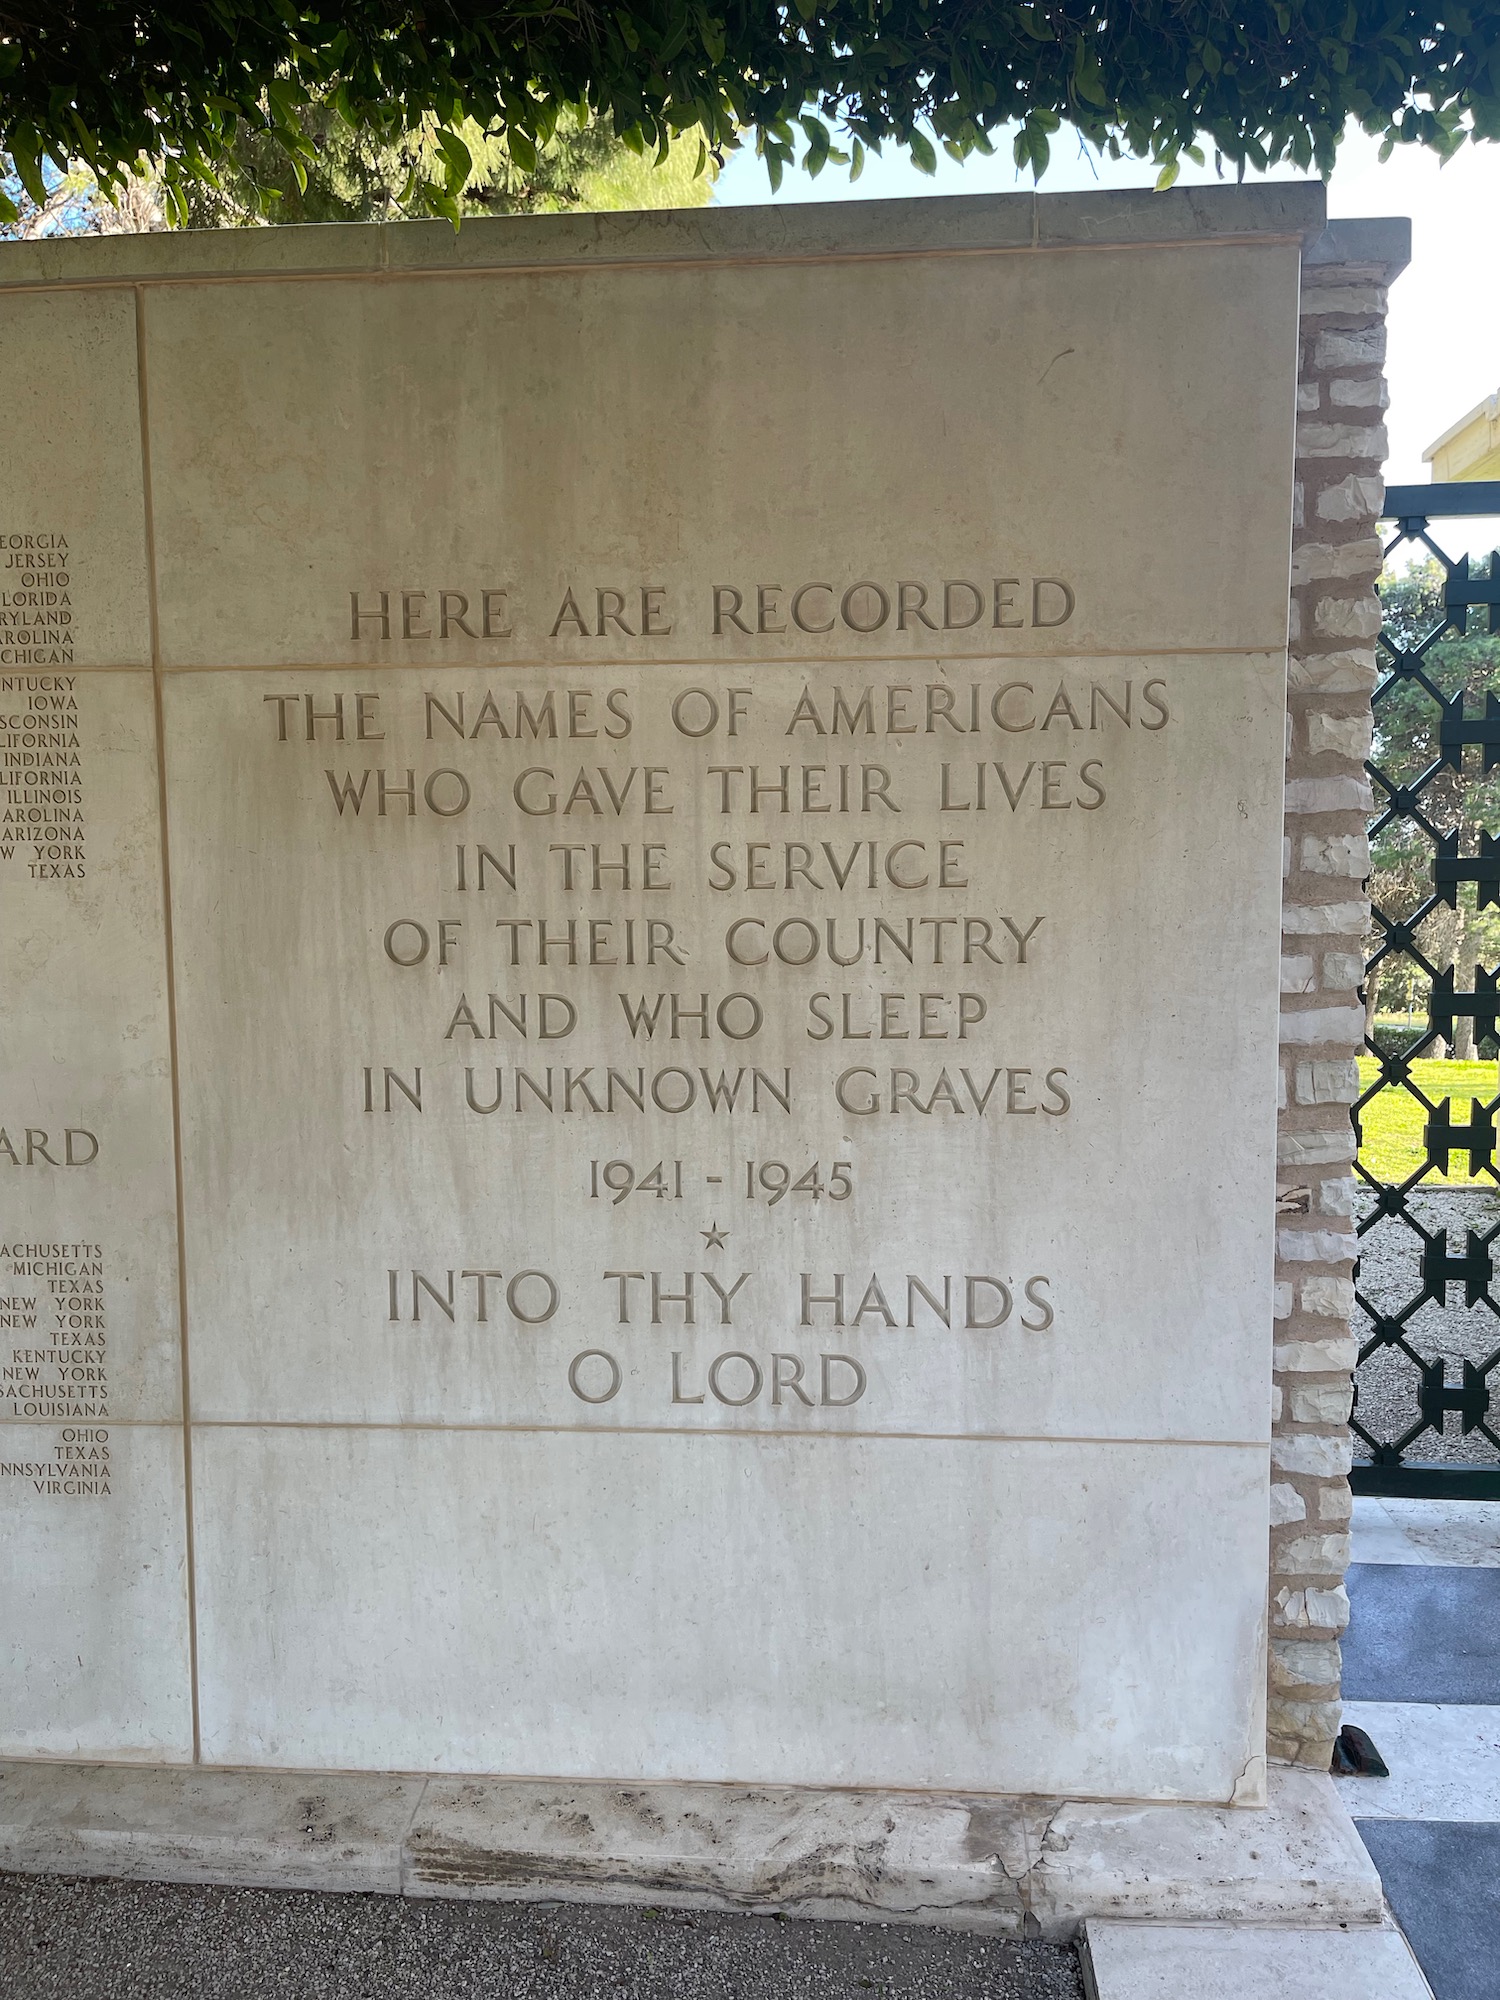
<point>640,900</point>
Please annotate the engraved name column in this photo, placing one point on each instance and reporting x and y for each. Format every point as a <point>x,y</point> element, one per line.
<point>52,1305</point>
<point>41,788</point>
<point>93,1499</point>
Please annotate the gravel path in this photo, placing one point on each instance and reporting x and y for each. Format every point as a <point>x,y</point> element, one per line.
<point>94,1940</point>
<point>1390,1257</point>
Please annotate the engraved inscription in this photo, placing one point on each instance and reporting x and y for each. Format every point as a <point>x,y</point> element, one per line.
<point>36,606</point>
<point>913,609</point>
<point>53,1334</point>
<point>41,784</point>
<point>787,906</point>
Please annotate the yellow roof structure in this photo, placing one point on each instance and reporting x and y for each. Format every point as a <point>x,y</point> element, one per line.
<point>1469,449</point>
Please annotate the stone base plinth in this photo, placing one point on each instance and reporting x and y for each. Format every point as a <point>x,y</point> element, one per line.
<point>1033,1867</point>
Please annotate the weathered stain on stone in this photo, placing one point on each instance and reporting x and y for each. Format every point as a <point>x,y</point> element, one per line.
<point>316,1829</point>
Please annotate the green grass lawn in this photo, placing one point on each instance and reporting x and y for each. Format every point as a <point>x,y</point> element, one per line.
<point>1392,1146</point>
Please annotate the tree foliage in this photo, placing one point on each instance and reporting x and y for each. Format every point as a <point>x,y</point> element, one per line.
<point>108,82</point>
<point>354,177</point>
<point>1407,719</point>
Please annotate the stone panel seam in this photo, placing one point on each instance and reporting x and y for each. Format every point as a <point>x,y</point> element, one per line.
<point>405,1874</point>
<point>1258,650</point>
<point>447,1428</point>
<point>184,1379</point>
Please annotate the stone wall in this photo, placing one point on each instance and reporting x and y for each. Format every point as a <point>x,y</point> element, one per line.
<point>1341,447</point>
<point>312,1554</point>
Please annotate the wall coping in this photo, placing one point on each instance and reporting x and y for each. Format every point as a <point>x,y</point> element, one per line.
<point>934,225</point>
<point>1383,240</point>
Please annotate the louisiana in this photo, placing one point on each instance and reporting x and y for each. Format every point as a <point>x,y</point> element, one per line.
<point>594,1088</point>
<point>55,1407</point>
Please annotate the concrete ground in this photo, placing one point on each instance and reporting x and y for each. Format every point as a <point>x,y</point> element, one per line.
<point>101,1940</point>
<point>1422,1678</point>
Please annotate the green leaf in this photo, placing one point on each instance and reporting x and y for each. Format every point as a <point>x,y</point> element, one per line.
<point>458,160</point>
<point>1088,81</point>
<point>26,156</point>
<point>856,160</point>
<point>1168,175</point>
<point>819,142</point>
<point>524,153</point>
<point>923,158</point>
<point>285,100</point>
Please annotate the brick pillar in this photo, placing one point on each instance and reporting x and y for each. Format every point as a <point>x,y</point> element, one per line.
<point>1341,447</point>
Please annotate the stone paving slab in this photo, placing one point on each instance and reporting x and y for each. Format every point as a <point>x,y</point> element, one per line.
<point>93,1940</point>
<point>1422,1633</point>
<point>1464,1533</point>
<point>1008,1866</point>
<point>1444,1762</point>
<point>1166,1962</point>
<point>1443,1882</point>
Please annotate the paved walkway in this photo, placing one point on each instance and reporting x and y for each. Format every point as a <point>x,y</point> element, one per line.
<point>72,1940</point>
<point>1422,1677</point>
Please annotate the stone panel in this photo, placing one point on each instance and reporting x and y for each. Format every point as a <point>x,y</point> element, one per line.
<point>73,590</point>
<point>367,1138</point>
<point>533,433</point>
<point>576,1604</point>
<point>94,1649</point>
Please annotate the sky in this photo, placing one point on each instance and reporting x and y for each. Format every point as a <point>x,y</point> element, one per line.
<point>1444,329</point>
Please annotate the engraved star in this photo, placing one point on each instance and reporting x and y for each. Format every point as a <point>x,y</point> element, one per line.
<point>714,1236</point>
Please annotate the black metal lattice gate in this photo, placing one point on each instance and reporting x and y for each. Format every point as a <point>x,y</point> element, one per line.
<point>1426,1415</point>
